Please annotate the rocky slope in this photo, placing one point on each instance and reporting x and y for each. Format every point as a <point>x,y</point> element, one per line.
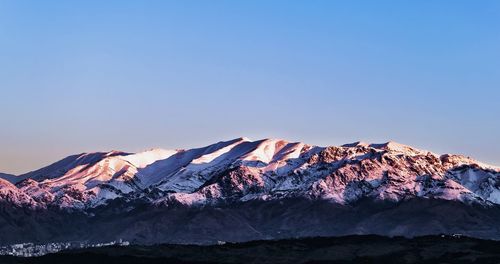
<point>241,170</point>
<point>197,195</point>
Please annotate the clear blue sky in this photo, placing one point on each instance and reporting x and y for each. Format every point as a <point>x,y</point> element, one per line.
<point>130,75</point>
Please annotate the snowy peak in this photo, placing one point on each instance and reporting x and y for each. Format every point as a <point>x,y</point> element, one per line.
<point>242,169</point>
<point>10,194</point>
<point>356,144</point>
<point>265,150</point>
<point>61,167</point>
<point>145,158</point>
<point>4,184</point>
<point>400,148</point>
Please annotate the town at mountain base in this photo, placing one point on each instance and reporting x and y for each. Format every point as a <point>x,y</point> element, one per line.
<point>348,249</point>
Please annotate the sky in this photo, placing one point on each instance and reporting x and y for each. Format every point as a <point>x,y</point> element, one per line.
<point>84,76</point>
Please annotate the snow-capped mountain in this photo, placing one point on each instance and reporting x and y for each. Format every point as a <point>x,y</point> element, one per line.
<point>245,172</point>
<point>241,170</point>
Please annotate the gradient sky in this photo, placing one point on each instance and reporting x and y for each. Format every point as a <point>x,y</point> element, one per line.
<point>81,76</point>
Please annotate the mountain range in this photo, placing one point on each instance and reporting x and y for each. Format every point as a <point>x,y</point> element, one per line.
<point>240,190</point>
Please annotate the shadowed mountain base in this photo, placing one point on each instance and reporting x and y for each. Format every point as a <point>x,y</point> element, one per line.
<point>255,220</point>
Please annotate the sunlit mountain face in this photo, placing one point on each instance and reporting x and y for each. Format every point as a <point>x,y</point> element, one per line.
<point>241,190</point>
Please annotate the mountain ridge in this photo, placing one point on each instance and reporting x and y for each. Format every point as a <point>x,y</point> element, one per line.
<point>241,190</point>
<point>262,169</point>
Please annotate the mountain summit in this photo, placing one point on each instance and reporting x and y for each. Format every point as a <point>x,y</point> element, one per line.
<point>242,172</point>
